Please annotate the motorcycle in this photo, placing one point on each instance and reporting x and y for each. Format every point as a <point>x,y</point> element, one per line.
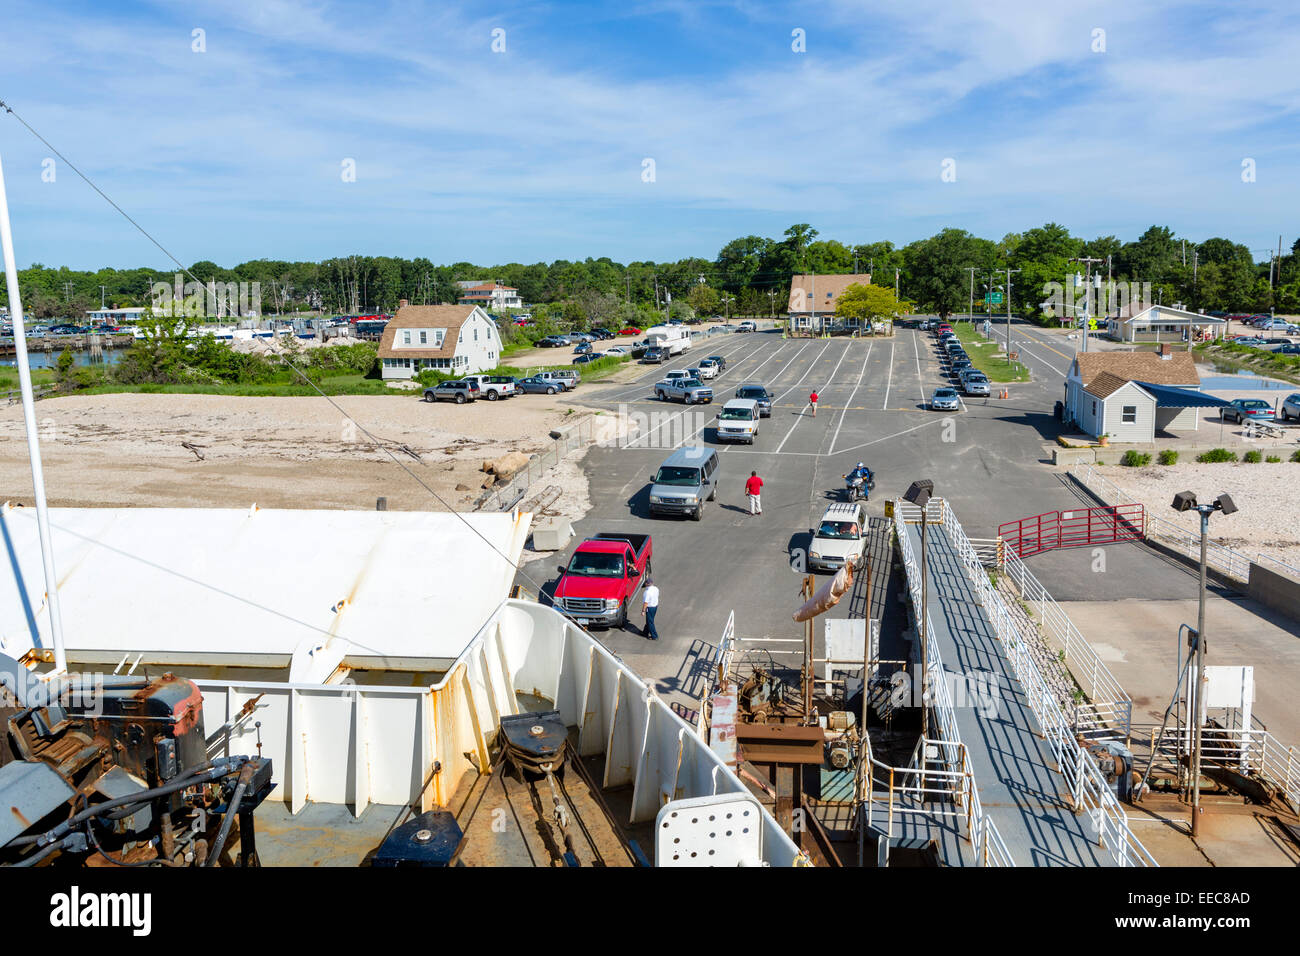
<point>857,488</point>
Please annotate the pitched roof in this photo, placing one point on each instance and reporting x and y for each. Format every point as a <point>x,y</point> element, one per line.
<point>1105,385</point>
<point>1178,369</point>
<point>1166,313</point>
<point>827,289</point>
<point>449,317</point>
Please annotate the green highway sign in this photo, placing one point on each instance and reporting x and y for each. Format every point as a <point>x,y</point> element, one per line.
<point>993,298</point>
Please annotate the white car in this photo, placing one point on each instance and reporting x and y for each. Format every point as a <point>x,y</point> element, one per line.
<point>747,327</point>
<point>704,372</point>
<point>840,538</point>
<point>682,374</point>
<point>738,421</point>
<point>619,350</point>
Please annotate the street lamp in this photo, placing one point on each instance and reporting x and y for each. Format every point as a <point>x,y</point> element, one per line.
<point>919,493</point>
<point>1186,501</point>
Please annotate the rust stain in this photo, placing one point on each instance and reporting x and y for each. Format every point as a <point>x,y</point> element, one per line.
<point>21,819</point>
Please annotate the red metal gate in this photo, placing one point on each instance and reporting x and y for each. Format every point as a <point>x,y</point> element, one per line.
<point>1074,529</point>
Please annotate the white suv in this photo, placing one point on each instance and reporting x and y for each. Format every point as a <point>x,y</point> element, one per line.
<point>840,538</point>
<point>738,421</point>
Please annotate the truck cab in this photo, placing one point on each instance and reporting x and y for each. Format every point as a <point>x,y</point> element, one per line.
<point>602,577</point>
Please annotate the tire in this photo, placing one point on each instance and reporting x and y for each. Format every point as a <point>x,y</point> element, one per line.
<point>460,398</point>
<point>620,622</point>
<point>427,397</point>
<point>550,390</point>
<point>492,396</point>
<point>699,512</point>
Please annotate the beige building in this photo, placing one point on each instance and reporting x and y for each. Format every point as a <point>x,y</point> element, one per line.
<point>814,299</point>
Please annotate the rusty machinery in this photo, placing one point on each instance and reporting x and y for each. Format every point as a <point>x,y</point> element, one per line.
<point>114,770</point>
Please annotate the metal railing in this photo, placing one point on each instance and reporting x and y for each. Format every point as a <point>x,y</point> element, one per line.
<point>505,495</point>
<point>1107,705</point>
<point>1221,558</point>
<point>1252,753</point>
<point>990,850</point>
<point>1089,791</point>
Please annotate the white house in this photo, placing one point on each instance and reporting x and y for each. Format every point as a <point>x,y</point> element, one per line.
<point>1129,396</point>
<point>460,339</point>
<point>128,316</point>
<point>490,295</point>
<point>1164,323</point>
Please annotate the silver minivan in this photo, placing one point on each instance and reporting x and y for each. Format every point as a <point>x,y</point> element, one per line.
<point>738,421</point>
<point>686,479</point>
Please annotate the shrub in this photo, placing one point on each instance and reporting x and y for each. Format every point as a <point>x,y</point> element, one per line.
<point>1295,455</point>
<point>1253,457</point>
<point>1217,455</point>
<point>1135,459</point>
<point>1169,457</point>
<point>1272,459</point>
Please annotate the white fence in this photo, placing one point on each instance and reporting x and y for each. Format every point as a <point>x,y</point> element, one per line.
<point>1221,558</point>
<point>1088,788</point>
<point>356,745</point>
<point>960,778</point>
<point>1108,705</point>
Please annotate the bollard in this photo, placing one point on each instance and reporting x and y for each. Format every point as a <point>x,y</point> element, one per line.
<point>381,504</point>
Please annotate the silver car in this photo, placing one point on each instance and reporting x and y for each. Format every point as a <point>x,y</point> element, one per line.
<point>1290,408</point>
<point>946,400</point>
<point>976,383</point>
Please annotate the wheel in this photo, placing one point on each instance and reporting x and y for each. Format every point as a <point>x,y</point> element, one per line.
<point>550,390</point>
<point>460,398</point>
<point>661,396</point>
<point>427,397</point>
<point>492,396</point>
<point>620,622</point>
<point>699,512</point>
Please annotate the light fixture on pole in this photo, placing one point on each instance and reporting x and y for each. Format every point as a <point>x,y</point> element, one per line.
<point>1186,501</point>
<point>919,493</point>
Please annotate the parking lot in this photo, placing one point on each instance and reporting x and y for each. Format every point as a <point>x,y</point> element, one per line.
<point>986,458</point>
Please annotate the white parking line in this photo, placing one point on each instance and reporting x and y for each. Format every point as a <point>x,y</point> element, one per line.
<point>811,366</point>
<point>875,441</point>
<point>920,379</point>
<point>865,359</point>
<point>647,382</point>
<point>890,381</point>
<point>742,382</point>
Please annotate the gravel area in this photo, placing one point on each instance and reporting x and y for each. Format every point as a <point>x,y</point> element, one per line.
<point>1268,515</point>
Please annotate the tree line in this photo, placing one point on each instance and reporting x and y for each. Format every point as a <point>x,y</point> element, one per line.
<point>750,276</point>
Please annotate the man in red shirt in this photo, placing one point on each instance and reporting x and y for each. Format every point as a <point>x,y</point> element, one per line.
<point>753,488</point>
<point>812,401</point>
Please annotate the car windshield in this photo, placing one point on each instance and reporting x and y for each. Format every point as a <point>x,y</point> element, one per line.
<point>678,476</point>
<point>847,530</point>
<point>597,565</point>
<point>737,414</point>
<point>754,393</point>
<point>945,393</point>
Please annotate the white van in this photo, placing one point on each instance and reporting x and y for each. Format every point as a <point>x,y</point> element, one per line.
<point>675,338</point>
<point>841,537</point>
<point>738,421</point>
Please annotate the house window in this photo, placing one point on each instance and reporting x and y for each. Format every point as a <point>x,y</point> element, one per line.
<point>476,335</point>
<point>406,338</point>
<point>424,337</point>
<point>1094,408</point>
<point>1130,414</point>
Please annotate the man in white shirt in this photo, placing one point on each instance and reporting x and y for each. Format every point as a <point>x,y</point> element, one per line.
<point>649,605</point>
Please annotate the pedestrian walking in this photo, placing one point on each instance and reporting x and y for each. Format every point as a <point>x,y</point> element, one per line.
<point>754,488</point>
<point>649,606</point>
<point>812,402</point>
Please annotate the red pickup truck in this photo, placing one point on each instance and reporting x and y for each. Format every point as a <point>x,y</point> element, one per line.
<point>603,576</point>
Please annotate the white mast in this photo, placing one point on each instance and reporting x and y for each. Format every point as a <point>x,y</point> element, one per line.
<point>33,444</point>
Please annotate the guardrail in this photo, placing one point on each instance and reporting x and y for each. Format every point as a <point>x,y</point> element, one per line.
<point>983,833</point>
<point>505,495</point>
<point>1088,788</point>
<point>1253,753</point>
<point>1108,703</point>
<point>1220,557</point>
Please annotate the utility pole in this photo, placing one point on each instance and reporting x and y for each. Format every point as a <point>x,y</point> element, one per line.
<point>971,307</point>
<point>1009,271</point>
<point>102,290</point>
<point>895,284</point>
<point>1087,289</point>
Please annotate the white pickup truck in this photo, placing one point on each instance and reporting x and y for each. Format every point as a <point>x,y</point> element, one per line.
<point>493,387</point>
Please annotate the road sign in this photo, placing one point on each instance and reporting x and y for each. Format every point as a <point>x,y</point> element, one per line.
<point>993,298</point>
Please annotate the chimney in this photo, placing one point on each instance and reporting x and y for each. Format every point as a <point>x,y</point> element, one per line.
<point>1166,351</point>
<point>402,303</point>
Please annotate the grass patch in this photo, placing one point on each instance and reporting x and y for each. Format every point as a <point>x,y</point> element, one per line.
<point>1252,457</point>
<point>1215,455</point>
<point>1272,459</point>
<point>1168,457</point>
<point>1135,459</point>
<point>1295,455</point>
<point>997,368</point>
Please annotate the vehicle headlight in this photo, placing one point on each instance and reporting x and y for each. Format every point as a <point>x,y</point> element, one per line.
<point>656,499</point>
<point>611,603</point>
<point>813,554</point>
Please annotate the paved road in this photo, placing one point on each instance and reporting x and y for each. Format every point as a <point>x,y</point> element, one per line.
<point>987,459</point>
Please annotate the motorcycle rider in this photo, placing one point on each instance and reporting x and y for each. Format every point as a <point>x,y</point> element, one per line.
<point>862,473</point>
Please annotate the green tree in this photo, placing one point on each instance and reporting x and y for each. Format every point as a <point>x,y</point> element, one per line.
<point>868,303</point>
<point>703,299</point>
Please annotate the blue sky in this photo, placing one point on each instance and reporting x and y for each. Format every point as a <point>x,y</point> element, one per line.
<point>536,153</point>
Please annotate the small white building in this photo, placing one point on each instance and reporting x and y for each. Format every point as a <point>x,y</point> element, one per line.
<point>128,316</point>
<point>1129,396</point>
<point>457,339</point>
<point>1164,323</point>
<point>490,295</point>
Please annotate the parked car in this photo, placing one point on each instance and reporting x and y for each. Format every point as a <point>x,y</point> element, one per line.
<point>738,421</point>
<point>687,478</point>
<point>535,383</point>
<point>747,326</point>
<point>707,369</point>
<point>1290,348</point>
<point>602,334</point>
<point>552,342</point>
<point>841,538</point>
<point>760,395</point>
<point>945,399</point>
<point>976,383</point>
<point>1247,340</point>
<point>655,355</point>
<point>459,391</point>
<point>630,330</point>
<point>1240,409</point>
<point>569,378</point>
<point>720,361</point>
<point>619,350</point>
<point>588,357</point>
<point>690,391</point>
<point>960,365</point>
<point>603,575</point>
<point>1290,408</point>
<point>581,347</point>
<point>493,387</point>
